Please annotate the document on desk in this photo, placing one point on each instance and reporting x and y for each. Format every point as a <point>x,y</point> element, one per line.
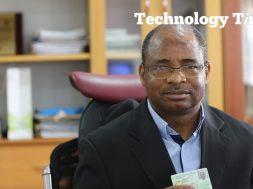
<point>198,178</point>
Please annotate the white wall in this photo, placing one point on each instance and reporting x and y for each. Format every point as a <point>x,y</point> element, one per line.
<point>120,13</point>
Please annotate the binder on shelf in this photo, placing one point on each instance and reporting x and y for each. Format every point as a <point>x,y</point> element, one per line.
<point>19,104</point>
<point>11,34</point>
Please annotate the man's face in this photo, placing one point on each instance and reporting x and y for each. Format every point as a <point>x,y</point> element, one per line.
<point>177,94</point>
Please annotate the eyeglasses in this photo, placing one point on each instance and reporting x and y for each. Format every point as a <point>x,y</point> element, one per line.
<point>163,72</point>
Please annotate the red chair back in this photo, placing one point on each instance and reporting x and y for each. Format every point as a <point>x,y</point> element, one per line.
<point>108,88</point>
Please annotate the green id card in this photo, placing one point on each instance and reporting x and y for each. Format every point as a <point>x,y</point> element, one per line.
<point>198,178</point>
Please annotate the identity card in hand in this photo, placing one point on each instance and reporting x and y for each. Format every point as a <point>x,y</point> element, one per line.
<point>198,178</point>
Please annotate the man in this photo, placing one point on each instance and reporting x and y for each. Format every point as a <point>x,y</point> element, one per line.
<point>171,131</point>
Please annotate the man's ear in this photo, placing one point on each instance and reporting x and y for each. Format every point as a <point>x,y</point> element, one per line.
<point>142,74</point>
<point>207,72</point>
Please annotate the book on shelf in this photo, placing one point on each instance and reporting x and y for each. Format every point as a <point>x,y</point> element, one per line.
<point>59,42</point>
<point>11,34</point>
<point>119,38</point>
<point>57,122</point>
<point>61,35</point>
<point>59,129</point>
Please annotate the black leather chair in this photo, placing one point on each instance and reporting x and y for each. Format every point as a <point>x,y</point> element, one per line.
<point>111,96</point>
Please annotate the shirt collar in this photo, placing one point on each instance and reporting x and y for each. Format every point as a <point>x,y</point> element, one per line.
<point>165,129</point>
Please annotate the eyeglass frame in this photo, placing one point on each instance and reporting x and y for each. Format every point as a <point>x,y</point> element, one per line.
<point>171,69</point>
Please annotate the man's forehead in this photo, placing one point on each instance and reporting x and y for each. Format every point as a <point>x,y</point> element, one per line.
<point>173,36</point>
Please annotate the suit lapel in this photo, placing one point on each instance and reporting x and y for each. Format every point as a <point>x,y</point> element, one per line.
<point>149,150</point>
<point>214,147</point>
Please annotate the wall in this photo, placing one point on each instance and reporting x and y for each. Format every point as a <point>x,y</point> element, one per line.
<point>120,13</point>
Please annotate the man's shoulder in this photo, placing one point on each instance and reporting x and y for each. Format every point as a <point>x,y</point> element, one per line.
<point>113,130</point>
<point>231,122</point>
<point>121,124</point>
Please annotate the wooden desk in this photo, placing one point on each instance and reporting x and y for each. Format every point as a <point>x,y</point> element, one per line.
<point>22,162</point>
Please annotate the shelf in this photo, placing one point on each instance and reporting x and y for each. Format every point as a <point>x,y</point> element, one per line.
<point>123,55</point>
<point>44,58</point>
<point>58,117</point>
<point>34,141</point>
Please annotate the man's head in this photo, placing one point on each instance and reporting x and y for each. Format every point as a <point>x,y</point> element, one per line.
<point>199,37</point>
<point>174,69</point>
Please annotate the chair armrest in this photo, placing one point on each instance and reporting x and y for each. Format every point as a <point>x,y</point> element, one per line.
<point>47,178</point>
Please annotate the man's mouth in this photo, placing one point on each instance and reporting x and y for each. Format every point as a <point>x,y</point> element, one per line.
<point>177,94</point>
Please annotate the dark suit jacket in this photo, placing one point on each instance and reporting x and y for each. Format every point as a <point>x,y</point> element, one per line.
<point>129,153</point>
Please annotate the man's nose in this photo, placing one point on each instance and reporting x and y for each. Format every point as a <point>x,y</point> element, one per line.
<point>176,76</point>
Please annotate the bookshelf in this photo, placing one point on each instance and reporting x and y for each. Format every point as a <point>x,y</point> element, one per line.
<point>44,58</point>
<point>31,156</point>
<point>50,85</point>
<point>22,162</point>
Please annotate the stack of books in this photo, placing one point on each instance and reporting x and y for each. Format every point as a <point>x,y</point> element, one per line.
<point>59,42</point>
<point>119,39</point>
<point>65,128</point>
<point>58,125</point>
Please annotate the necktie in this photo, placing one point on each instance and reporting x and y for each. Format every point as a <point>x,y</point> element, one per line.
<point>178,139</point>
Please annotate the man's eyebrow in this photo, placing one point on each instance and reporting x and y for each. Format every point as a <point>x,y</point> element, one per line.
<point>167,61</point>
<point>162,61</point>
<point>189,60</point>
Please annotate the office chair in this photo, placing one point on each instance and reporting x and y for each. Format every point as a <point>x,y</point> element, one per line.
<point>111,96</point>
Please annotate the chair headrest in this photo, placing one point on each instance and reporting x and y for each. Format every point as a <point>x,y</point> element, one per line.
<point>108,88</point>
